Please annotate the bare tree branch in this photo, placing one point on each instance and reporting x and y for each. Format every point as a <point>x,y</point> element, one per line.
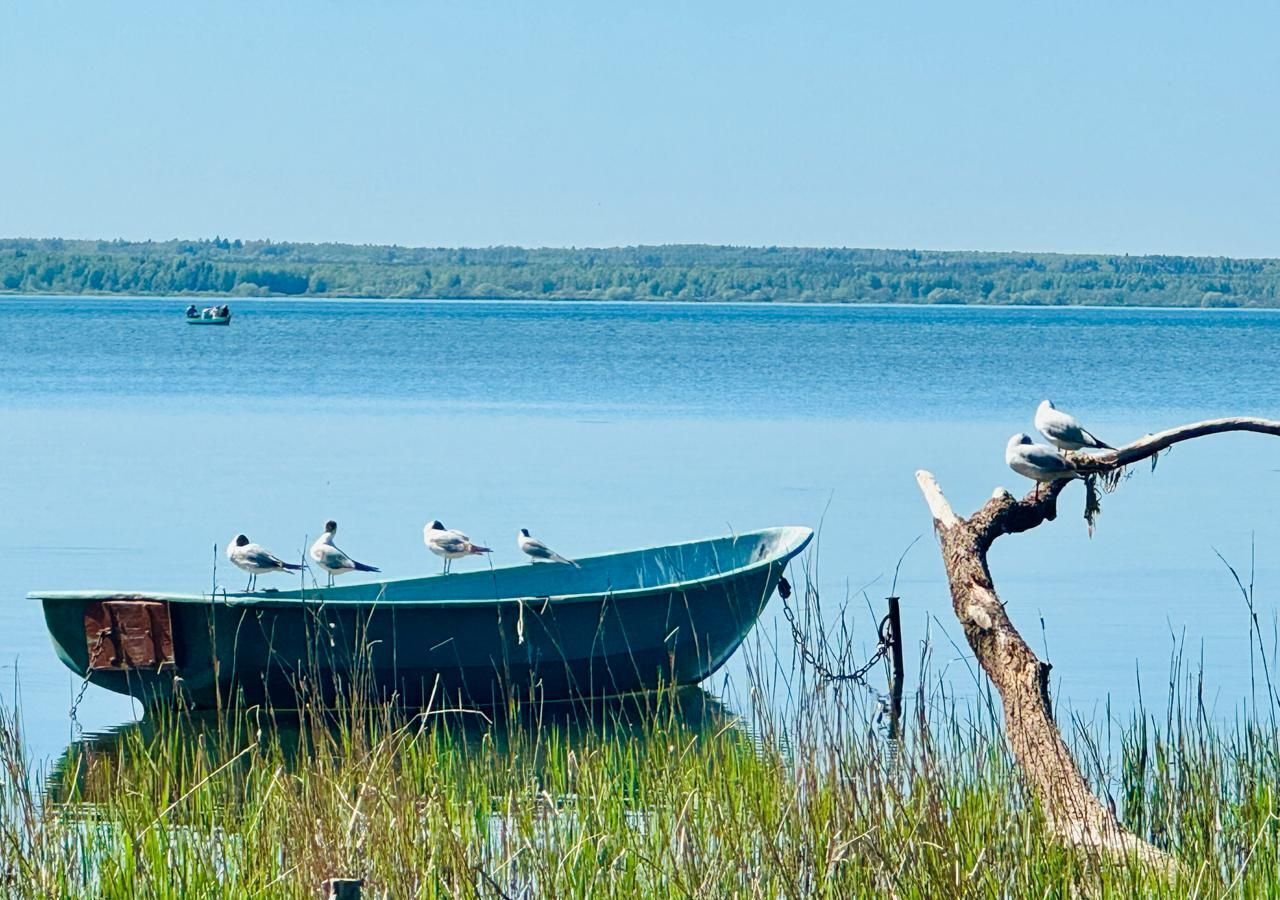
<point>1152,444</point>
<point>943,515</point>
<point>1070,807</point>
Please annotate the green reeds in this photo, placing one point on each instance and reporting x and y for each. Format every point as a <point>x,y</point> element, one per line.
<point>668,795</point>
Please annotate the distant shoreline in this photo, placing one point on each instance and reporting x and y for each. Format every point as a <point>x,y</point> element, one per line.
<point>587,301</point>
<point>227,270</point>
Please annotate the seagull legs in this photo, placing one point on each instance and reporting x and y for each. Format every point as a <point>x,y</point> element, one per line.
<point>445,570</point>
<point>248,587</point>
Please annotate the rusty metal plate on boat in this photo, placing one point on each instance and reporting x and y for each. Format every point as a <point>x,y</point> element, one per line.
<point>128,634</point>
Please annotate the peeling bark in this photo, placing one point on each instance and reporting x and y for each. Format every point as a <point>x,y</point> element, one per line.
<point>1071,809</point>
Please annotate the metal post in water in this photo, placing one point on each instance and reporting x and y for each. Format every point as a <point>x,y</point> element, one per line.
<point>895,660</point>
<point>342,888</point>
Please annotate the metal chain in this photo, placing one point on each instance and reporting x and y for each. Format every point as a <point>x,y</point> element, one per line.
<point>76,729</point>
<point>858,675</point>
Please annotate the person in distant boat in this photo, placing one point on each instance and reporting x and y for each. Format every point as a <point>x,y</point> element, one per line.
<point>192,312</point>
<point>224,311</point>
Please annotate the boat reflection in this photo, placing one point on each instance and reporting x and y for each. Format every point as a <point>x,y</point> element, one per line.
<point>89,770</point>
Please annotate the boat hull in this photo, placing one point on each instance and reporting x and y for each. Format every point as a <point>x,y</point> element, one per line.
<point>217,320</point>
<point>294,648</point>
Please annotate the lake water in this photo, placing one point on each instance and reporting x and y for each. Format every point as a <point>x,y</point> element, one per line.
<point>132,443</point>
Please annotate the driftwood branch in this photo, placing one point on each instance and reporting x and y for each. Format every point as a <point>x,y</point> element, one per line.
<point>1152,444</point>
<point>1072,811</point>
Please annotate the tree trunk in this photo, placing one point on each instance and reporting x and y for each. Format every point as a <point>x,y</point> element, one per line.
<point>1071,810</point>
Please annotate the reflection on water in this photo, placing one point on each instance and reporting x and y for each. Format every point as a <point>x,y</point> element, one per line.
<point>248,799</point>
<point>88,770</point>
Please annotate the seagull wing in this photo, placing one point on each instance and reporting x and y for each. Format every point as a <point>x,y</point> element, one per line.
<point>1046,458</point>
<point>535,548</point>
<point>539,550</point>
<point>452,542</point>
<point>470,546</point>
<point>1066,428</point>
<point>257,556</point>
<point>332,558</point>
<point>1090,440</point>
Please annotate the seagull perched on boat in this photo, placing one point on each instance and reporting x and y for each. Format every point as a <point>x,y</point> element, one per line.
<point>1039,462</point>
<point>1064,431</point>
<point>333,560</point>
<point>255,560</point>
<point>449,543</point>
<point>540,552</point>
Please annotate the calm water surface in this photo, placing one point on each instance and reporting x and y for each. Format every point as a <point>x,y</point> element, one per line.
<point>131,443</point>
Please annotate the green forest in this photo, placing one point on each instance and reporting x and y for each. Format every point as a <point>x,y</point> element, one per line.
<point>672,272</point>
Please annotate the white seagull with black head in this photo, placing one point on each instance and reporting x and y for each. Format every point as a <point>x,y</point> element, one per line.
<point>333,560</point>
<point>540,552</point>
<point>255,560</point>
<point>449,543</point>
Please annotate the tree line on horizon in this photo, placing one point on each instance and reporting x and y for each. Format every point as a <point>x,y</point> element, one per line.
<point>673,272</point>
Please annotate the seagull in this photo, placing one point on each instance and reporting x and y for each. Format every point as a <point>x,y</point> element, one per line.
<point>1039,462</point>
<point>255,560</point>
<point>333,560</point>
<point>539,551</point>
<point>1063,431</point>
<point>449,543</point>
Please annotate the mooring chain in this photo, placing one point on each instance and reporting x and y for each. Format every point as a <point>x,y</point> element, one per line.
<point>858,675</point>
<point>76,730</point>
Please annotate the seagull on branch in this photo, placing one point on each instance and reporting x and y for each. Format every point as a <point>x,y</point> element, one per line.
<point>1041,463</point>
<point>540,552</point>
<point>449,543</point>
<point>1064,431</point>
<point>255,560</point>
<point>333,560</point>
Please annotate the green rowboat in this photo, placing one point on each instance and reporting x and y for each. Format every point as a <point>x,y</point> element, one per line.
<point>214,320</point>
<point>622,623</point>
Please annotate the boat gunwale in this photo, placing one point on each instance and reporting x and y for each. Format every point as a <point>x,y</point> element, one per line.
<point>801,539</point>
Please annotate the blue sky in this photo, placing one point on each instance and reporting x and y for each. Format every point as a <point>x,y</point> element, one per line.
<point>1137,127</point>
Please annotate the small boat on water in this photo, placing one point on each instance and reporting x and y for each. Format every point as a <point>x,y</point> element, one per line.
<point>621,623</point>
<point>210,315</point>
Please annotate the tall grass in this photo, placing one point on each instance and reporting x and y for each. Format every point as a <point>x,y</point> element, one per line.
<point>670,795</point>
